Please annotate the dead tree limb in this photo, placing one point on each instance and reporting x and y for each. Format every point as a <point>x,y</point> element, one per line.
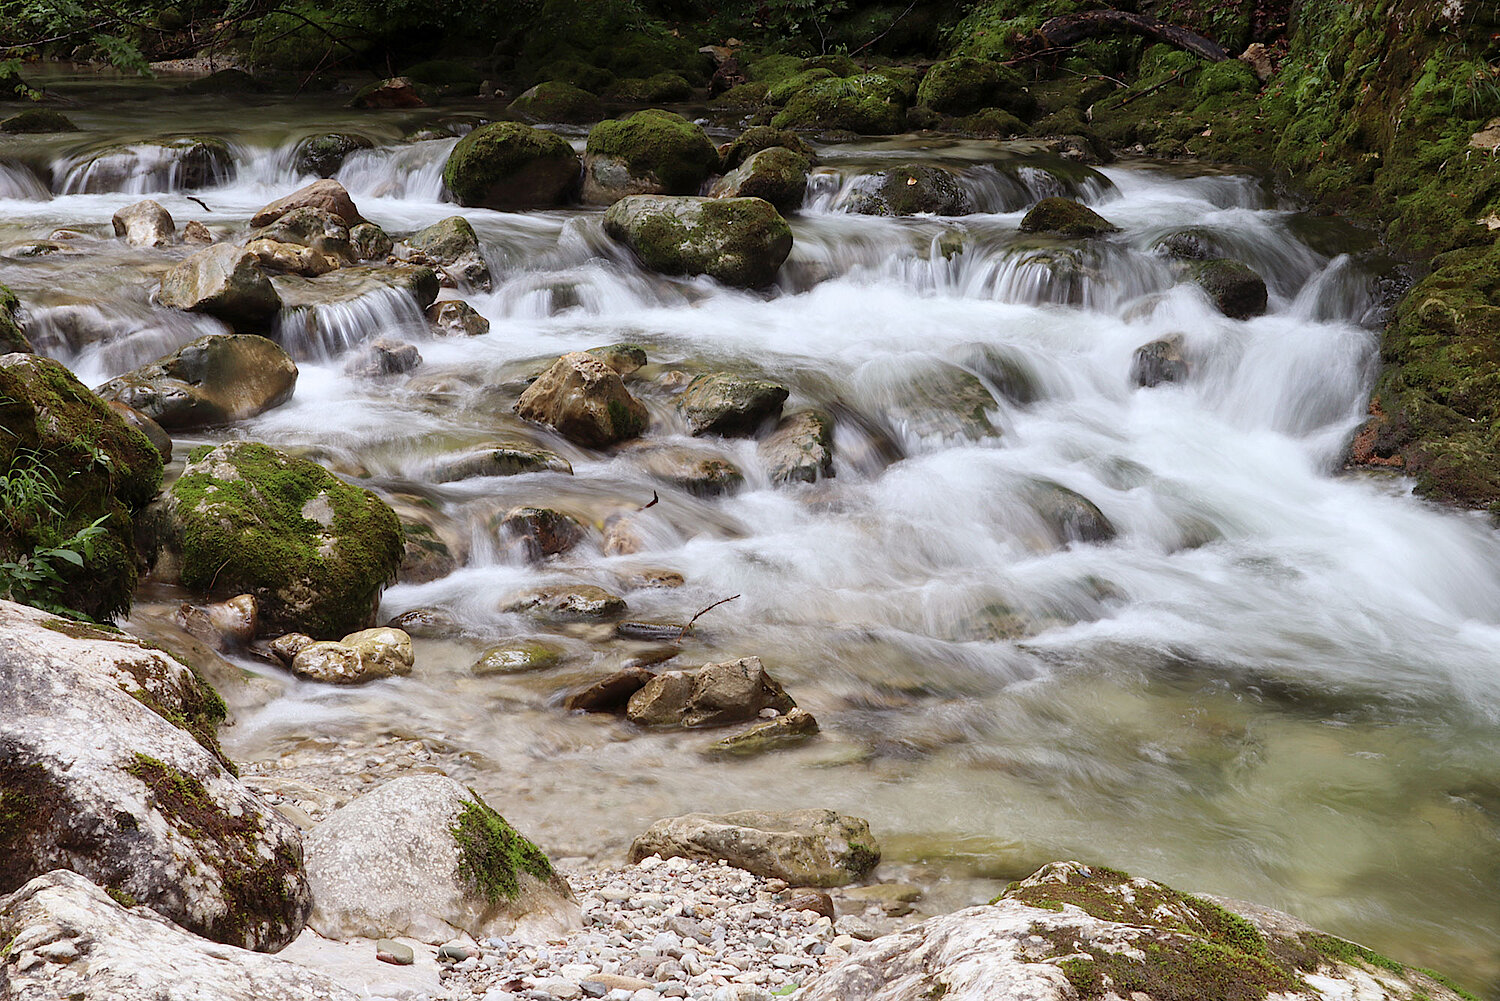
<point>1072,28</point>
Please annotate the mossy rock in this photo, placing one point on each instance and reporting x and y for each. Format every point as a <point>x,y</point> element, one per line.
<point>722,403</point>
<point>777,175</point>
<point>245,518</point>
<point>518,657</point>
<point>38,120</point>
<point>1066,218</point>
<point>666,150</point>
<point>662,87</point>
<point>759,137</point>
<point>511,166</point>
<point>782,91</point>
<point>575,73</point>
<point>12,337</point>
<point>1235,288</point>
<point>323,155</point>
<point>737,241</point>
<point>964,85</point>
<point>743,96</point>
<point>868,104</point>
<point>912,189</point>
<point>1228,77</point>
<point>774,68</point>
<point>100,469</point>
<point>995,122</point>
<point>555,101</point>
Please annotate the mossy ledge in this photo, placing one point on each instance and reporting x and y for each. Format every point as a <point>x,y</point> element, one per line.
<point>492,855</point>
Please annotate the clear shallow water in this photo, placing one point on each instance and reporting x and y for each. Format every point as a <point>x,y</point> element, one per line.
<point>1276,683</point>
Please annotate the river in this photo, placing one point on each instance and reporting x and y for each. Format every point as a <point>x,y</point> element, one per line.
<point>1277,682</point>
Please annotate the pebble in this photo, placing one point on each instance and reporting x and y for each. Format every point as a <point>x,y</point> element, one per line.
<point>395,953</point>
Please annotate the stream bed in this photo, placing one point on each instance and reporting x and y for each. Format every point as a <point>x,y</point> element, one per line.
<point>1276,681</point>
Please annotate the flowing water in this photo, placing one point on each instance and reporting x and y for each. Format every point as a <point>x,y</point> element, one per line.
<point>1276,682</point>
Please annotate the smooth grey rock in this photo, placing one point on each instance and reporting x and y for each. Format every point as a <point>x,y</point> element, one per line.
<point>740,242</point>
<point>723,403</point>
<point>800,450</point>
<point>456,318</point>
<point>803,847</point>
<point>145,224</point>
<point>116,792</point>
<point>453,244</point>
<point>216,379</point>
<point>389,864</point>
<point>503,458</point>
<point>132,955</point>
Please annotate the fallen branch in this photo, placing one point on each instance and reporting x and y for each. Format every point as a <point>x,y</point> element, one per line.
<point>651,503</point>
<point>199,201</point>
<point>710,608</point>
<point>1071,28</point>
<point>1150,90</point>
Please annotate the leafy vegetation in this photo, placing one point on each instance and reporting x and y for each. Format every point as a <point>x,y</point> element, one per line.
<point>31,504</point>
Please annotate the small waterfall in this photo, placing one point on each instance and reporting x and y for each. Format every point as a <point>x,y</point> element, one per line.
<point>1006,186</point>
<point>326,330</point>
<point>412,172</point>
<point>168,165</point>
<point>19,182</point>
<point>101,340</point>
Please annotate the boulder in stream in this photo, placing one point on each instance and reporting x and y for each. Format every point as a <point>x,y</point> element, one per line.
<point>502,458</point>
<point>1066,218</point>
<point>734,691</point>
<point>323,155</point>
<point>423,857</point>
<point>327,194</point>
<point>226,282</point>
<point>245,518</point>
<point>539,531</point>
<point>394,92</point>
<point>777,175</point>
<point>13,339</point>
<point>314,228</point>
<point>800,450</point>
<point>1158,362</point>
<point>649,152</point>
<point>912,189</point>
<point>965,84</point>
<point>737,241</point>
<point>217,379</point>
<point>1235,288</point>
<point>556,101</point>
<point>145,224</point>
<point>456,318</point>
<point>68,938</point>
<point>585,401</point>
<point>803,847</point>
<point>568,603</point>
<point>723,403</point>
<point>700,471</point>
<point>762,137</point>
<point>452,243</point>
<point>366,655</point>
<point>1073,931</point>
<point>510,167</point>
<point>110,766</point>
<point>869,104</point>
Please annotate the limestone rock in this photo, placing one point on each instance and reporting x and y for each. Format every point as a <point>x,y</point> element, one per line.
<point>224,281</point>
<point>347,284</point>
<point>326,194</point>
<point>649,152</point>
<point>456,318</point>
<point>423,857</point>
<point>382,357</point>
<point>737,241</point>
<point>315,228</point>
<point>568,602</point>
<point>583,399</point>
<point>502,458</point>
<point>762,137</point>
<point>369,242</point>
<point>713,695</point>
<point>68,939</point>
<point>1072,930</point>
<point>767,735</point>
<point>145,224</point>
<point>517,657</point>
<point>509,166</point>
<point>214,380</point>
<point>367,655</point>
<point>1066,218</point>
<point>609,694</point>
<point>245,518</point>
<point>800,450</point>
<point>1071,516</point>
<point>110,751</point>
<point>700,471</point>
<point>452,243</point>
<point>153,431</point>
<point>723,403</point>
<point>777,175</point>
<point>803,847</point>
<point>290,258</point>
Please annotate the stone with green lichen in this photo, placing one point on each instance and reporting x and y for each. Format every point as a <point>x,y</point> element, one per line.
<point>99,468</point>
<point>510,166</point>
<point>452,243</point>
<point>867,104</point>
<point>556,101</point>
<point>911,189</point>
<point>245,518</point>
<point>1066,218</point>
<point>723,403</point>
<point>964,84</point>
<point>113,769</point>
<point>662,87</point>
<point>422,856</point>
<point>1073,932</point>
<point>517,657</point>
<point>803,847</point>
<point>567,603</point>
<point>761,137</point>
<point>38,120</point>
<point>777,175</point>
<point>736,241</point>
<point>12,337</point>
<point>796,727</point>
<point>1235,288</point>
<point>650,152</point>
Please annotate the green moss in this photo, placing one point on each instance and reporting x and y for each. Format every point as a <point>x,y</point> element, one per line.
<point>869,104</point>
<point>1345,951</point>
<point>785,89</point>
<point>121,897</point>
<point>249,535</point>
<point>556,101</point>
<point>1066,218</point>
<point>625,423</point>
<point>761,137</point>
<point>654,89</point>
<point>964,84</point>
<point>658,143</point>
<point>492,854</point>
<point>860,859</point>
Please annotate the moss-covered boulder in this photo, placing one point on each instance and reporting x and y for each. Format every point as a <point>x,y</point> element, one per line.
<point>661,88</point>
<point>585,401</point>
<point>217,379</point>
<point>1075,932</point>
<point>737,241</point>
<point>446,860</point>
<point>245,518</point>
<point>777,175</point>
<point>12,337</point>
<point>110,766</point>
<point>78,475</point>
<point>510,166</point>
<point>964,84</point>
<point>453,244</point>
<point>869,104</point>
<point>911,189</point>
<point>1235,288</point>
<point>38,120</point>
<point>803,847</point>
<point>759,137</point>
<point>517,657</point>
<point>555,101</point>
<point>323,155</point>
<point>1066,218</point>
<point>650,152</point>
<point>723,403</point>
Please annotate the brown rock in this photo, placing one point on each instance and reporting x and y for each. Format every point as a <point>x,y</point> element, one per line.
<point>541,531</point>
<point>608,695</point>
<point>326,194</point>
<point>585,401</point>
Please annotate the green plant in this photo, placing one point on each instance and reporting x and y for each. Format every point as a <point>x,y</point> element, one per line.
<point>30,508</point>
<point>799,17</point>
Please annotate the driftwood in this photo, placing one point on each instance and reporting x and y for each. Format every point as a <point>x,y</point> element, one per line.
<point>1072,28</point>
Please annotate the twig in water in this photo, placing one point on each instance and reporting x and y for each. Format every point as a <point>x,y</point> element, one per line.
<point>199,201</point>
<point>651,503</point>
<point>710,608</point>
